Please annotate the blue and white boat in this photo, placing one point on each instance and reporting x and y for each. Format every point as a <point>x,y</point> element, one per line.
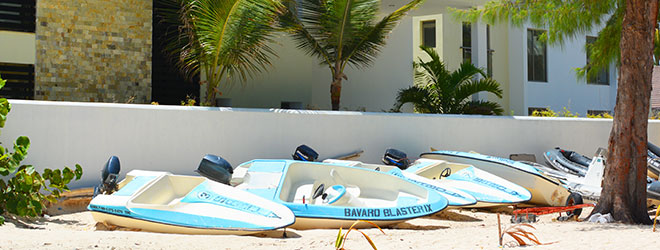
<point>323,195</point>
<point>167,203</point>
<point>488,189</point>
<point>455,197</point>
<point>545,190</point>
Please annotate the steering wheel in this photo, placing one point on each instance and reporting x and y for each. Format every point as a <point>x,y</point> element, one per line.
<point>318,192</point>
<point>445,172</point>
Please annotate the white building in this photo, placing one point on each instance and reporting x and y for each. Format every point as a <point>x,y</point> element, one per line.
<point>298,80</point>
<point>549,81</point>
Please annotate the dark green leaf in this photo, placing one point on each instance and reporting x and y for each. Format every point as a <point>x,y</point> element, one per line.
<point>23,141</point>
<point>37,205</point>
<point>67,175</point>
<point>78,171</point>
<point>21,207</point>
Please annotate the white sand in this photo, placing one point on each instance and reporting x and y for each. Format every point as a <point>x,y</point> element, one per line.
<point>453,229</point>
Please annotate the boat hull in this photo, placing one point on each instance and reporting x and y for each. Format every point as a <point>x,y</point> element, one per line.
<point>305,223</point>
<point>150,226</point>
<point>162,202</point>
<point>345,193</point>
<point>546,191</point>
<point>455,197</point>
<point>488,189</point>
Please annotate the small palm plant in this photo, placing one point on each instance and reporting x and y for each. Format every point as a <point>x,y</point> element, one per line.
<point>224,39</point>
<point>341,32</point>
<point>438,90</point>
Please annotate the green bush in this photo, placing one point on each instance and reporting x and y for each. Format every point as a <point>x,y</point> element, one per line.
<point>565,112</point>
<point>27,191</point>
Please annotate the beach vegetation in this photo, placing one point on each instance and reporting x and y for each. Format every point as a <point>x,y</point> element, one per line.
<point>25,191</point>
<point>519,232</point>
<point>438,90</point>
<point>341,237</point>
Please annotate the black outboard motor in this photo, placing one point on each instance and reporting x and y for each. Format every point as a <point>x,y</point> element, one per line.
<point>215,168</point>
<point>397,158</point>
<point>305,153</point>
<point>109,176</point>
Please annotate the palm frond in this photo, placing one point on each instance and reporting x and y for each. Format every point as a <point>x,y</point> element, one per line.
<point>179,47</point>
<point>470,87</point>
<point>419,97</point>
<point>464,73</point>
<point>481,108</point>
<point>223,37</point>
<point>303,23</point>
<point>435,68</point>
<point>370,39</point>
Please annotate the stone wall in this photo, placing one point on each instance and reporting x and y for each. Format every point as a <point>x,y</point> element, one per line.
<point>94,50</point>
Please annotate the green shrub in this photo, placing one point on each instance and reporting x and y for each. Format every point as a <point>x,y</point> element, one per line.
<point>544,113</point>
<point>27,191</point>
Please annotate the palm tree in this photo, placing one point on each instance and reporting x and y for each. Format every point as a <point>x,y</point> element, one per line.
<point>437,90</point>
<point>224,39</point>
<point>341,32</point>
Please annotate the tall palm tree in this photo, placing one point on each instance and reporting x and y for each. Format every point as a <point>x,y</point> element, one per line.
<point>224,39</point>
<point>437,90</point>
<point>341,32</point>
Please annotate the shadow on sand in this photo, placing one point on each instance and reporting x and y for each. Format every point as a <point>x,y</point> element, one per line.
<point>38,222</point>
<point>452,216</point>
<point>408,226</point>
<point>278,234</point>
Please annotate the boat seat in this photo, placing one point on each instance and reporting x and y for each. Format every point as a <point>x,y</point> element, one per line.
<point>340,195</point>
<point>167,191</point>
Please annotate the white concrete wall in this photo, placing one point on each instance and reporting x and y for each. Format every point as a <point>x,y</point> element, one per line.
<point>17,47</point>
<point>175,138</point>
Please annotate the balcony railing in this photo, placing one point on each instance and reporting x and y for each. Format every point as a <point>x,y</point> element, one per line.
<point>20,81</point>
<point>18,15</point>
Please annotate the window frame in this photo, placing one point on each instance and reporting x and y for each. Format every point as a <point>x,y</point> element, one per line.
<point>18,16</point>
<point>531,33</point>
<point>466,46</point>
<point>423,33</point>
<point>605,72</point>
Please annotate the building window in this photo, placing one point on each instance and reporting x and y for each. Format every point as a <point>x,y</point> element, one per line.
<point>18,15</point>
<point>20,81</point>
<point>467,42</point>
<point>603,76</point>
<point>537,70</point>
<point>489,56</point>
<point>428,33</point>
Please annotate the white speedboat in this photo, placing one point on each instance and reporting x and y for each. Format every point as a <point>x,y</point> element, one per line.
<point>545,190</point>
<point>323,195</point>
<point>163,202</point>
<point>454,196</point>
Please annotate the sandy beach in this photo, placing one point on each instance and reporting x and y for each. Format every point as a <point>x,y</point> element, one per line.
<point>451,229</point>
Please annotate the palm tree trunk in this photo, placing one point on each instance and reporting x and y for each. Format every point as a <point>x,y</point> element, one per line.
<point>335,87</point>
<point>210,95</point>
<point>335,93</point>
<point>624,184</point>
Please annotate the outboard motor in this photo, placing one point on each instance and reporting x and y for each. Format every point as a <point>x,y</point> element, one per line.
<point>215,168</point>
<point>305,153</point>
<point>109,176</point>
<point>397,158</point>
